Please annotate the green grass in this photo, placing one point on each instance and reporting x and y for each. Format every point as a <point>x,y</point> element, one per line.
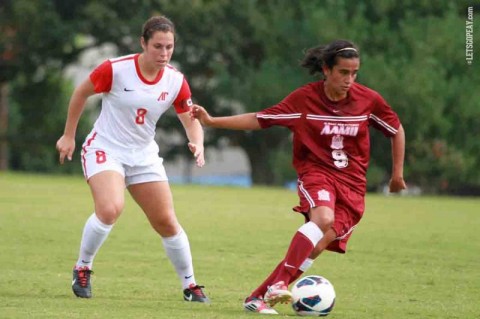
<point>411,257</point>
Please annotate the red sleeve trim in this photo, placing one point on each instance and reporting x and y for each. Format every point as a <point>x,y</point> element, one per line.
<point>102,76</point>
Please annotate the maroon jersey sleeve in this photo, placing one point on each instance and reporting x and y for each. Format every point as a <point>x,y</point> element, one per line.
<point>383,118</point>
<point>183,102</point>
<point>101,77</point>
<point>284,113</point>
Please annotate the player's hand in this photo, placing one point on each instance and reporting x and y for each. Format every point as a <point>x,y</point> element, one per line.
<point>397,184</point>
<point>66,147</point>
<point>199,113</point>
<point>198,153</point>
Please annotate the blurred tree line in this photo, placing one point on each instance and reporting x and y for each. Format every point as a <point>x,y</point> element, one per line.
<point>243,56</point>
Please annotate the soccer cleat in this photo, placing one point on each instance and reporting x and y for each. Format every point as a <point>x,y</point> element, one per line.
<point>277,293</point>
<point>253,304</point>
<point>81,282</point>
<point>195,293</point>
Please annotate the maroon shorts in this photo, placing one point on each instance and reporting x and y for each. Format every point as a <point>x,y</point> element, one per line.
<point>319,190</point>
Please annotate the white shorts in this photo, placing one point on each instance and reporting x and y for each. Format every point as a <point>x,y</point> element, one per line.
<point>136,165</point>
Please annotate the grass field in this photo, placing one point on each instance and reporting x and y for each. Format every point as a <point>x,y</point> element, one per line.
<point>411,257</point>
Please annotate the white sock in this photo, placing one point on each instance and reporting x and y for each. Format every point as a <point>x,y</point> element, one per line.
<point>177,248</point>
<point>307,263</point>
<point>94,234</point>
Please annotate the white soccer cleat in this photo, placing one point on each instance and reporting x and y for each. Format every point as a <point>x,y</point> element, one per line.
<point>257,305</point>
<point>277,293</point>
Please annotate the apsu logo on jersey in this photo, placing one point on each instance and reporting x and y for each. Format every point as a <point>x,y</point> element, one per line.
<point>337,142</point>
<point>323,195</point>
<point>162,96</point>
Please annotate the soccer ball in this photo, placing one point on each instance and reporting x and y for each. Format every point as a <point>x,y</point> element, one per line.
<point>313,296</point>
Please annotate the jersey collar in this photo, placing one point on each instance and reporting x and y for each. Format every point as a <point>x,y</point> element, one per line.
<point>144,80</point>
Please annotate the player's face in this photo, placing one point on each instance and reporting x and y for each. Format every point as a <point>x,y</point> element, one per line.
<point>159,48</point>
<point>341,77</point>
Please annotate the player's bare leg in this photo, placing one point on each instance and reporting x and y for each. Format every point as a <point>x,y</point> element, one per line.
<point>108,190</point>
<point>328,237</point>
<point>155,199</point>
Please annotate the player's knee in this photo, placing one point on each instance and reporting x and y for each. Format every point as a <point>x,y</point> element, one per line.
<point>325,222</point>
<point>328,222</point>
<point>166,225</point>
<point>323,217</point>
<point>109,213</point>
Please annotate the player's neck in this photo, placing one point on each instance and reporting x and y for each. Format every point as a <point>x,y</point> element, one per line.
<point>149,71</point>
<point>333,95</point>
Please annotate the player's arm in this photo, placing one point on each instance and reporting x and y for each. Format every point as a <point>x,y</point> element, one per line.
<point>193,129</point>
<point>398,155</point>
<point>66,143</point>
<point>194,132</point>
<point>247,121</point>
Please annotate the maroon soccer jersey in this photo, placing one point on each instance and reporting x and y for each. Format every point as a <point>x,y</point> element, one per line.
<point>330,137</point>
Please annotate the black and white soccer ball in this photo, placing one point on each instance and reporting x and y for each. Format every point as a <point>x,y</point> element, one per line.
<point>313,296</point>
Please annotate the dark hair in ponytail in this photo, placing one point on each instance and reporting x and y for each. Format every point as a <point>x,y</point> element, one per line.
<point>326,55</point>
<point>157,23</point>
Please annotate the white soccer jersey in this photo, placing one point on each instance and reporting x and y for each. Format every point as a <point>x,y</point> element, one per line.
<point>133,105</point>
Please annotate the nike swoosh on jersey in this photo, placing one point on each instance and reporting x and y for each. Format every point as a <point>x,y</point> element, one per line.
<point>127,90</point>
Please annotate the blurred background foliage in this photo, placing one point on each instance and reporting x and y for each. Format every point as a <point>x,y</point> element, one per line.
<point>243,56</point>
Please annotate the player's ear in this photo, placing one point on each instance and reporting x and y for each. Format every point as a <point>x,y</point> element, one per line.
<point>142,43</point>
<point>325,70</point>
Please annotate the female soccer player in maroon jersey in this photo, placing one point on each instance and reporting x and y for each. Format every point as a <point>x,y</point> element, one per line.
<point>121,152</point>
<point>330,121</point>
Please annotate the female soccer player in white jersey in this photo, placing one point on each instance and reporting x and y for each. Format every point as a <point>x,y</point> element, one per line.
<point>330,121</point>
<point>120,152</point>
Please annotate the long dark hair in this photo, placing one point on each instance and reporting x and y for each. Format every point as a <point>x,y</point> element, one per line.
<point>326,55</point>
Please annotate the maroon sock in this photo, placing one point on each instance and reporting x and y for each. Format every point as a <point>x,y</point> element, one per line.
<point>300,248</point>
<point>296,276</point>
<point>262,289</point>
